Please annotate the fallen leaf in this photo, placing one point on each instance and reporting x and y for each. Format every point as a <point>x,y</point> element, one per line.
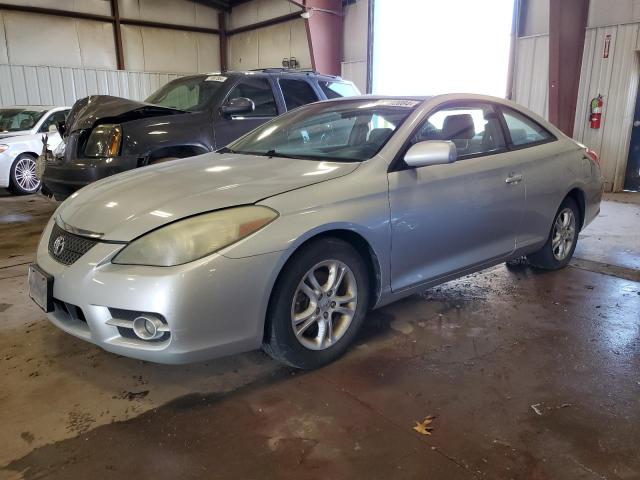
<point>424,426</point>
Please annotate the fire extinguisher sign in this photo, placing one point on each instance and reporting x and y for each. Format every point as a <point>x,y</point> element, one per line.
<point>607,45</point>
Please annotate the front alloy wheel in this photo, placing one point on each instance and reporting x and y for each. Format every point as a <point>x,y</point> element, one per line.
<point>23,175</point>
<point>324,305</point>
<point>317,304</point>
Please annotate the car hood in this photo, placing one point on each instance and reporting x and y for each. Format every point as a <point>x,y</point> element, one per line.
<point>9,135</point>
<point>127,205</point>
<point>96,109</point>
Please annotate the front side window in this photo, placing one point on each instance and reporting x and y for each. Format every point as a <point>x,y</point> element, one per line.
<point>16,119</point>
<point>259,91</point>
<point>347,131</point>
<point>338,89</point>
<point>475,130</point>
<point>189,94</point>
<point>53,119</point>
<point>297,93</point>
<point>523,130</point>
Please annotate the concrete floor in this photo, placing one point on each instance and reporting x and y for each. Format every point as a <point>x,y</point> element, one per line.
<point>529,375</point>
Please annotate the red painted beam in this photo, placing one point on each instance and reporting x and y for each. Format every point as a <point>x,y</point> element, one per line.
<point>567,24</point>
<point>324,32</point>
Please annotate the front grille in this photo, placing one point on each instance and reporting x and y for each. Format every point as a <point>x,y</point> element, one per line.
<point>66,247</point>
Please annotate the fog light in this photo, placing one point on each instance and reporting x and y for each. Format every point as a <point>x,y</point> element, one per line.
<point>148,327</point>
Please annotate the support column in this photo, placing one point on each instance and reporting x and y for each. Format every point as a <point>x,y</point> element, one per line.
<point>567,26</point>
<point>222,26</point>
<point>117,34</point>
<point>324,32</point>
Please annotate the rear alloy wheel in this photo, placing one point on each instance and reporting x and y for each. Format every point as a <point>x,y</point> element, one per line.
<point>561,244</point>
<point>317,305</point>
<point>23,175</point>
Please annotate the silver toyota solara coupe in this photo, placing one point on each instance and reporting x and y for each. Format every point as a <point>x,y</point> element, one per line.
<point>288,236</point>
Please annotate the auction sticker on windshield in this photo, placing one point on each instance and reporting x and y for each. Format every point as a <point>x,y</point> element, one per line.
<point>398,103</point>
<point>215,78</point>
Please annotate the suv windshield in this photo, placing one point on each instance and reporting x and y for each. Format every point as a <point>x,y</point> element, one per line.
<point>189,93</point>
<point>16,119</point>
<point>350,131</point>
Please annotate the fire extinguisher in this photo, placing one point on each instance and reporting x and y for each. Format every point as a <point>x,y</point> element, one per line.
<point>596,112</point>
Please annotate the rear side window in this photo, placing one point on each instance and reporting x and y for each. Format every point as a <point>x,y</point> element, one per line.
<point>523,130</point>
<point>338,89</point>
<point>258,90</point>
<point>297,93</point>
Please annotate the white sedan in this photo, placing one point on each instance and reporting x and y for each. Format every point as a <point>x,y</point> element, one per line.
<point>21,132</point>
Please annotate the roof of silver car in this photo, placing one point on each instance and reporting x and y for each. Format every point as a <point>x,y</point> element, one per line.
<point>30,107</point>
<point>369,98</point>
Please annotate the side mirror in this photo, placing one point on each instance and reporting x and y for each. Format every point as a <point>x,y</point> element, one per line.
<point>431,152</point>
<point>238,106</point>
<point>52,128</point>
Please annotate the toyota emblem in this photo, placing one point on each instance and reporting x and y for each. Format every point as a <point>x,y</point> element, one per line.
<point>58,246</point>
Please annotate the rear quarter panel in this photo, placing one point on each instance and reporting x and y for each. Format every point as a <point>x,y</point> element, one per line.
<point>551,172</point>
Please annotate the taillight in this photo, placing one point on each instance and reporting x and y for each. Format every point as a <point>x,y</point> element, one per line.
<point>593,156</point>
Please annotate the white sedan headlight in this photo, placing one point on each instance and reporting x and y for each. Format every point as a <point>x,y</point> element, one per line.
<point>58,152</point>
<point>195,237</point>
<point>4,148</point>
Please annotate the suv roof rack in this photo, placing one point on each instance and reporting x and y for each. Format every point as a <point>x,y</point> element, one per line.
<point>292,70</point>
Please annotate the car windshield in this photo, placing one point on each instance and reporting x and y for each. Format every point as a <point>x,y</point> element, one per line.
<point>16,119</point>
<point>189,93</point>
<point>350,131</point>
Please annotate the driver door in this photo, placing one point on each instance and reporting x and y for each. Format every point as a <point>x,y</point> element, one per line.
<point>228,128</point>
<point>454,217</point>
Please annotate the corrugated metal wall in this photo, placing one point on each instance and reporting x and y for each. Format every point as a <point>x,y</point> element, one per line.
<point>616,78</point>
<point>531,75</point>
<point>44,85</point>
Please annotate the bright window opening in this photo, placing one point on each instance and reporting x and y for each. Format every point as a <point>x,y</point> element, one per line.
<point>427,47</point>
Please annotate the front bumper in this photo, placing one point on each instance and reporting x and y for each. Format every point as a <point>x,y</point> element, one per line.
<point>213,307</point>
<point>62,180</point>
<point>6,160</point>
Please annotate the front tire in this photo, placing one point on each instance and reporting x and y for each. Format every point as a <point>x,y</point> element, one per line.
<point>563,237</point>
<point>23,180</point>
<point>318,304</point>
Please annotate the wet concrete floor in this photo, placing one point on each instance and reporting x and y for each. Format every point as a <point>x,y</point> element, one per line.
<point>528,374</point>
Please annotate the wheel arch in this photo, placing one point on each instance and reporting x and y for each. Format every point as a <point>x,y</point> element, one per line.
<point>577,195</point>
<point>356,240</point>
<point>178,151</point>
<point>31,154</point>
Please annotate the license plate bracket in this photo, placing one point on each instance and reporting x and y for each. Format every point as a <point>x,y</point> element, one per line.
<point>41,288</point>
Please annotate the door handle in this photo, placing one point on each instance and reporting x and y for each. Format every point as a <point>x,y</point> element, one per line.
<point>513,178</point>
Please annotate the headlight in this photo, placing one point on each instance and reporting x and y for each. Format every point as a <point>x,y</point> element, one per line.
<point>4,148</point>
<point>104,141</point>
<point>195,237</point>
<point>58,152</point>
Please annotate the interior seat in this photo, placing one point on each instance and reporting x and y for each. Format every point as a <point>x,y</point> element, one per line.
<point>460,129</point>
<point>378,136</point>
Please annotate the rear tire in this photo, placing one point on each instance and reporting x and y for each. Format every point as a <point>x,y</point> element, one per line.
<point>310,324</point>
<point>22,176</point>
<point>563,238</point>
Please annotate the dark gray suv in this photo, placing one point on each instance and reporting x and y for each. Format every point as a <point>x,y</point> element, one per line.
<point>105,135</point>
